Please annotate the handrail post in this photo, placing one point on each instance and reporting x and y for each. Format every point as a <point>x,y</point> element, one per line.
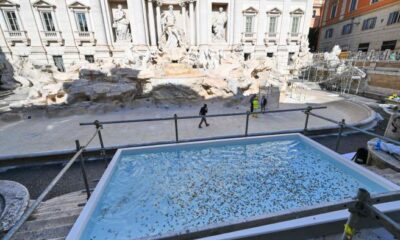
<point>247,124</point>
<point>102,150</point>
<point>307,112</point>
<point>341,125</point>
<point>82,163</point>
<point>357,212</point>
<point>176,128</point>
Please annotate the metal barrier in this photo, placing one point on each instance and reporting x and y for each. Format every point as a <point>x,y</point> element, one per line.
<point>342,125</point>
<point>41,197</point>
<point>235,226</point>
<point>100,124</point>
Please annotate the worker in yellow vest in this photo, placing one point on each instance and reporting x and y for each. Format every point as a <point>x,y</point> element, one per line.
<point>256,105</point>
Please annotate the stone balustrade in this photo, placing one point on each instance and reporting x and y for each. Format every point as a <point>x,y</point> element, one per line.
<point>13,37</point>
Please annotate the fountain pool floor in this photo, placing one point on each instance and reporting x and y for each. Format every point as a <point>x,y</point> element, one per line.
<point>157,191</point>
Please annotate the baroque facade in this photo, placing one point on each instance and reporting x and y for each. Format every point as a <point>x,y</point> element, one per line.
<point>61,32</point>
<point>360,25</point>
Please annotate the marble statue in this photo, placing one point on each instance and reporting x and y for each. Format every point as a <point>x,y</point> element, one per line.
<point>332,58</point>
<point>218,25</point>
<point>172,36</point>
<point>121,25</point>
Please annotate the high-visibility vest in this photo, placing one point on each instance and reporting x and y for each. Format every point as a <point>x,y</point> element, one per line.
<point>256,105</point>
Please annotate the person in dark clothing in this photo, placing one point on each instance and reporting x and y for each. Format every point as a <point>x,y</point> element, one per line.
<point>203,113</point>
<point>263,103</point>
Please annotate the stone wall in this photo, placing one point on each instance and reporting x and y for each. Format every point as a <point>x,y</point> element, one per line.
<point>384,80</point>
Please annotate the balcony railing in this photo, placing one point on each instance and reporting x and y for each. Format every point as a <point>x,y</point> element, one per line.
<point>249,37</point>
<point>271,38</point>
<point>294,37</point>
<point>82,37</point>
<point>52,36</point>
<point>13,37</point>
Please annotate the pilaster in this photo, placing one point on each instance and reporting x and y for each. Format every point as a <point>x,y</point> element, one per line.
<point>138,23</point>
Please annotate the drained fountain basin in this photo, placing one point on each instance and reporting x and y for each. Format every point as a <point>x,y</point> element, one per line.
<point>153,191</point>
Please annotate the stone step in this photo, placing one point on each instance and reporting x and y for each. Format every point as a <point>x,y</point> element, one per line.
<point>71,200</point>
<point>48,223</point>
<point>58,207</point>
<point>44,234</point>
<point>52,215</point>
<point>66,196</point>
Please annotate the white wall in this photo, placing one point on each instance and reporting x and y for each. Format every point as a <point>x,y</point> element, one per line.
<point>99,23</point>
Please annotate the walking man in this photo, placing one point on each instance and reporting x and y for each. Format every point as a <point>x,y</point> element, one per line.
<point>203,112</point>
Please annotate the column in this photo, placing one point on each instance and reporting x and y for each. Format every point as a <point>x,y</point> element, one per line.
<point>138,23</point>
<point>102,33</point>
<point>151,23</point>
<point>261,24</point>
<point>192,23</point>
<point>204,30</point>
<point>28,23</point>
<point>285,23</point>
<point>237,25</point>
<point>183,9</point>
<point>158,16</point>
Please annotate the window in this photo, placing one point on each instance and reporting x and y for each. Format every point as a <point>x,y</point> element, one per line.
<point>347,29</point>
<point>333,11</point>
<point>329,33</point>
<point>48,22</point>
<point>12,20</point>
<point>59,62</point>
<point>295,24</point>
<point>272,24</point>
<point>369,23</point>
<point>314,13</point>
<point>363,47</point>
<point>374,1</point>
<point>270,54</point>
<point>391,45</point>
<point>353,5</point>
<point>394,17</point>
<point>290,59</point>
<point>81,21</point>
<point>249,24</point>
<point>247,56</point>
<point>89,58</point>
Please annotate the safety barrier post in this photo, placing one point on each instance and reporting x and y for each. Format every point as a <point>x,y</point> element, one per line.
<point>176,128</point>
<point>82,163</point>
<point>102,150</point>
<point>357,212</point>
<point>307,112</point>
<point>246,131</point>
<point>341,126</point>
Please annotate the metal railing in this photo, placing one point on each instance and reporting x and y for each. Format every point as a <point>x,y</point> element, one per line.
<point>50,187</point>
<point>176,118</point>
<point>99,126</point>
<point>219,229</point>
<point>343,125</point>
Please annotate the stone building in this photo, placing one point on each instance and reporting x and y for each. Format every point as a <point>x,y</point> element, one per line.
<point>64,31</point>
<point>315,24</point>
<point>360,25</point>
